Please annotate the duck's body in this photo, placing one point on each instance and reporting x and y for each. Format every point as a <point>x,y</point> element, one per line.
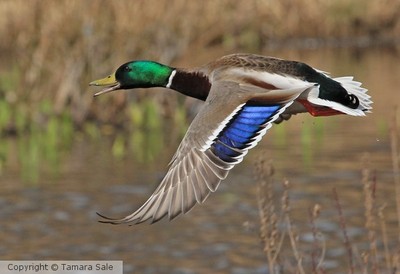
<point>244,94</point>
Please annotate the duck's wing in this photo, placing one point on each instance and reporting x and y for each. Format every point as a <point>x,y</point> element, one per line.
<point>218,138</point>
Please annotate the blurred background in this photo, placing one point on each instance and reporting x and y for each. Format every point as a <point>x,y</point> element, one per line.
<point>65,155</point>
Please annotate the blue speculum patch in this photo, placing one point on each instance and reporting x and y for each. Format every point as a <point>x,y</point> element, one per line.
<point>240,131</point>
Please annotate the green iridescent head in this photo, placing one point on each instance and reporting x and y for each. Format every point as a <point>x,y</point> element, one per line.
<point>135,74</point>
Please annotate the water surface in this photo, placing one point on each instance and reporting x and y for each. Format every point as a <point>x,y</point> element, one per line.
<point>55,217</point>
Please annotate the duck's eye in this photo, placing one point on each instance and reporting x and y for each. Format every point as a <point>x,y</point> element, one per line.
<point>353,100</point>
<point>128,69</point>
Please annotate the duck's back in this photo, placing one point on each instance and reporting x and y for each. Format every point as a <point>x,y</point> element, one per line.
<point>264,63</point>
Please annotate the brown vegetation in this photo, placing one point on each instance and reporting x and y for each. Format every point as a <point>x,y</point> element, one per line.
<point>50,50</point>
<point>380,254</point>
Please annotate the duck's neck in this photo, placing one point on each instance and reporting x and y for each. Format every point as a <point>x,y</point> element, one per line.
<point>190,83</point>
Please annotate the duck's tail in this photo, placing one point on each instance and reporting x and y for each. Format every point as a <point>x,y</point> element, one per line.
<point>359,101</point>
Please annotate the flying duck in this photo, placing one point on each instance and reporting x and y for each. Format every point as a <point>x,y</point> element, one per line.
<point>244,94</point>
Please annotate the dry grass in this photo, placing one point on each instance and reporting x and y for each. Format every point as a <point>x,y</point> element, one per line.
<point>57,47</point>
<point>271,237</point>
<point>280,239</point>
<point>394,138</point>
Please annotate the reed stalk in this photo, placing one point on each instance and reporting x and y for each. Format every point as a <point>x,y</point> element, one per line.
<point>396,165</point>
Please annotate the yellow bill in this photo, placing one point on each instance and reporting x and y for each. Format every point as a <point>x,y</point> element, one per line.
<point>109,81</point>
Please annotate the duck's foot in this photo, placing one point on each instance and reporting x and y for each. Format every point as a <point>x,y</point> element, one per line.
<point>316,110</point>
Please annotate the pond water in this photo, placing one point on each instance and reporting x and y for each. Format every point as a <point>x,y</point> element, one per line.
<point>55,217</point>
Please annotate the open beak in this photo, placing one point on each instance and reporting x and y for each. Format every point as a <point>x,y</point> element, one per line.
<point>110,82</point>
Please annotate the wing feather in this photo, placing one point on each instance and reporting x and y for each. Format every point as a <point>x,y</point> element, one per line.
<point>218,139</point>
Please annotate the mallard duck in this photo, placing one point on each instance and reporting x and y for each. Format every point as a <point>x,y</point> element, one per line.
<point>244,94</point>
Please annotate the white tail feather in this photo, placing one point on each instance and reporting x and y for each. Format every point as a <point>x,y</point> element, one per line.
<point>352,87</point>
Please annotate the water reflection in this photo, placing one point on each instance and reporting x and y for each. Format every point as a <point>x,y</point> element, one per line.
<point>76,175</point>
<point>38,148</point>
